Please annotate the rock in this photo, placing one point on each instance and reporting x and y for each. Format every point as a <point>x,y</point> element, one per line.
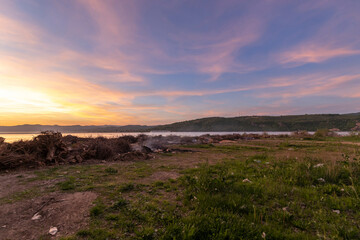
<point>321,180</point>
<point>246,180</point>
<point>37,216</point>
<point>53,231</point>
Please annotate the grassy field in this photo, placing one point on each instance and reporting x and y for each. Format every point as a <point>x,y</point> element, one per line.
<point>260,189</point>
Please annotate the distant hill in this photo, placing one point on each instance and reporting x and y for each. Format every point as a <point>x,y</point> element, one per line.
<point>310,122</point>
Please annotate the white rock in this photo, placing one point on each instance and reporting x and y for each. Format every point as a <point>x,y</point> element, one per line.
<point>321,180</point>
<point>37,216</point>
<point>53,231</point>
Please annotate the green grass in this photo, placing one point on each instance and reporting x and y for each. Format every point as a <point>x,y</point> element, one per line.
<point>285,199</point>
<point>69,184</point>
<point>310,192</point>
<point>21,195</point>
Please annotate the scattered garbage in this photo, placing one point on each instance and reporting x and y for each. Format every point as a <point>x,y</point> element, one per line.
<point>53,231</point>
<point>336,211</point>
<point>37,216</point>
<point>319,165</point>
<point>246,180</point>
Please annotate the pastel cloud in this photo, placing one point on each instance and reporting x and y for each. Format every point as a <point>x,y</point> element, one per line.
<point>136,62</point>
<point>315,54</point>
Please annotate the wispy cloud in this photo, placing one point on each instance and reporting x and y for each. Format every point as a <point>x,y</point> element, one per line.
<point>332,39</point>
<point>295,87</point>
<point>314,54</point>
<point>88,61</point>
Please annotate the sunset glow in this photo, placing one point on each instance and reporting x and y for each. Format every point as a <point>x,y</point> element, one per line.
<point>151,62</point>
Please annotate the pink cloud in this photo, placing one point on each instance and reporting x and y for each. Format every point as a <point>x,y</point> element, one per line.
<point>312,85</point>
<point>314,54</point>
<point>18,33</point>
<point>335,38</point>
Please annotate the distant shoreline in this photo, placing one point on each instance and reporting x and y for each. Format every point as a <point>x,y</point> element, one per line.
<point>290,123</point>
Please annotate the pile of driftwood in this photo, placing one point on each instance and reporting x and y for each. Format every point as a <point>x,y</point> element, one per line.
<point>51,148</point>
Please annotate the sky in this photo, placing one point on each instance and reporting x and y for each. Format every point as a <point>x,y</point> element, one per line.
<point>95,62</point>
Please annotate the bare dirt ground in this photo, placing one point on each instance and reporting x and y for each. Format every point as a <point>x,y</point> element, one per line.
<point>66,211</point>
<point>10,183</point>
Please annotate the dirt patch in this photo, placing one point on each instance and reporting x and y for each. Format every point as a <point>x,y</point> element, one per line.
<point>69,212</point>
<point>163,176</point>
<point>11,183</point>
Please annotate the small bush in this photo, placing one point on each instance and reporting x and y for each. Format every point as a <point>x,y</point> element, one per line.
<point>321,133</point>
<point>97,210</point>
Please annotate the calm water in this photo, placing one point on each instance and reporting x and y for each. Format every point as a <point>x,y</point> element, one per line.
<point>11,137</point>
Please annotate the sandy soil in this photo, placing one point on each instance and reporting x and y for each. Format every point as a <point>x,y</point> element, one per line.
<point>66,211</point>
